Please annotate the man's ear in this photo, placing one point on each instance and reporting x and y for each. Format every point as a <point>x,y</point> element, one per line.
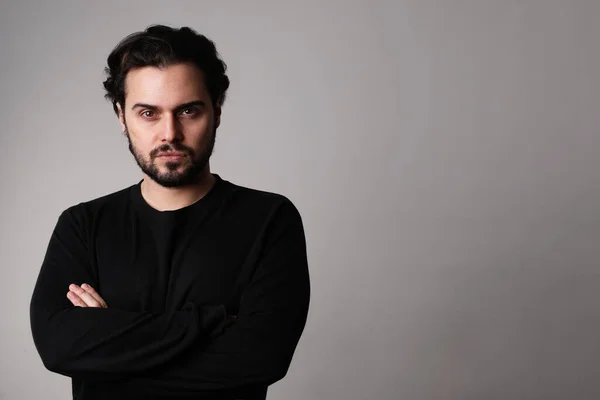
<point>218,110</point>
<point>121,117</point>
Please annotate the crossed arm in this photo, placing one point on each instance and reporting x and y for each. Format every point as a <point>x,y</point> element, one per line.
<point>185,352</point>
<point>87,296</point>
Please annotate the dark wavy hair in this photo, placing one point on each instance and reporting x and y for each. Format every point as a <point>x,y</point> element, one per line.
<point>161,46</point>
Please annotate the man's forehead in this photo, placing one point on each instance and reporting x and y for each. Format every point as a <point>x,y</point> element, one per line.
<point>165,86</point>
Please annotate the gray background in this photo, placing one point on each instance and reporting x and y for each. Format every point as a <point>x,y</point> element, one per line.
<point>444,155</point>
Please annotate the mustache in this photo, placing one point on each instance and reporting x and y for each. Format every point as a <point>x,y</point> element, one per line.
<point>171,147</point>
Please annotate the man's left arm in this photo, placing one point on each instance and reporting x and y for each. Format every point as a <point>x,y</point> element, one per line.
<point>258,348</point>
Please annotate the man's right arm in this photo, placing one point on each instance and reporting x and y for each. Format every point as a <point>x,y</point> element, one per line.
<point>103,343</point>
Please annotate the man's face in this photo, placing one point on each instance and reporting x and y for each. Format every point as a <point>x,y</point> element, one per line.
<point>170,122</point>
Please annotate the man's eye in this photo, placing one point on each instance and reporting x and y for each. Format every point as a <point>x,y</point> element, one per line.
<point>189,111</point>
<point>147,114</point>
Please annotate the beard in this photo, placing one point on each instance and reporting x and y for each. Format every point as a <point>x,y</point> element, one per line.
<point>178,173</point>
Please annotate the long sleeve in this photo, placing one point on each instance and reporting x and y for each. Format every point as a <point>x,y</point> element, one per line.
<point>98,343</point>
<point>257,349</point>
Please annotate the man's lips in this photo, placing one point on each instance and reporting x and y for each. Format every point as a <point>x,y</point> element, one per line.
<point>171,154</point>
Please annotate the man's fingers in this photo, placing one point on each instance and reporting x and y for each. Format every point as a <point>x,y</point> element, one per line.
<point>95,295</point>
<point>87,298</point>
<point>75,300</point>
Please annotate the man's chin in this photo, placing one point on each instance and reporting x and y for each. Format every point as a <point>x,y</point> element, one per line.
<point>170,182</point>
<point>174,178</point>
<point>173,174</point>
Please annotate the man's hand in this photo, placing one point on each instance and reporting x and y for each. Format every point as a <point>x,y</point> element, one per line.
<point>85,296</point>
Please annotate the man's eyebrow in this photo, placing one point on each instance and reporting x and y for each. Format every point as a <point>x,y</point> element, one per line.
<point>144,105</point>
<point>178,108</point>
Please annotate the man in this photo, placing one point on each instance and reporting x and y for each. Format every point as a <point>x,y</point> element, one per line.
<point>183,285</point>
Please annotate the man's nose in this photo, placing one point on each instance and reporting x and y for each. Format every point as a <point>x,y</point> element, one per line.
<point>171,131</point>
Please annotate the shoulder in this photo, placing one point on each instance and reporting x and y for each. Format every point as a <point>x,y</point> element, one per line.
<point>266,203</point>
<point>275,218</point>
<point>83,213</point>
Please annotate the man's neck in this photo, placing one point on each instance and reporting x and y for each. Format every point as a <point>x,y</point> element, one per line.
<point>167,199</point>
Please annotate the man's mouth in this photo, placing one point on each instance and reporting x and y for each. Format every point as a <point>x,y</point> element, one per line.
<point>171,154</point>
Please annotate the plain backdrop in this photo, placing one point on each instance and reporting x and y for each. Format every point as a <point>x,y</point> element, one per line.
<point>444,155</point>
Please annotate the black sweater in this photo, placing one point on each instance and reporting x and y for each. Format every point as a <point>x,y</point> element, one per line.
<point>171,280</point>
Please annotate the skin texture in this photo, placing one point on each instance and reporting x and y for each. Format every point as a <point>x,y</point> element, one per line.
<point>170,123</point>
